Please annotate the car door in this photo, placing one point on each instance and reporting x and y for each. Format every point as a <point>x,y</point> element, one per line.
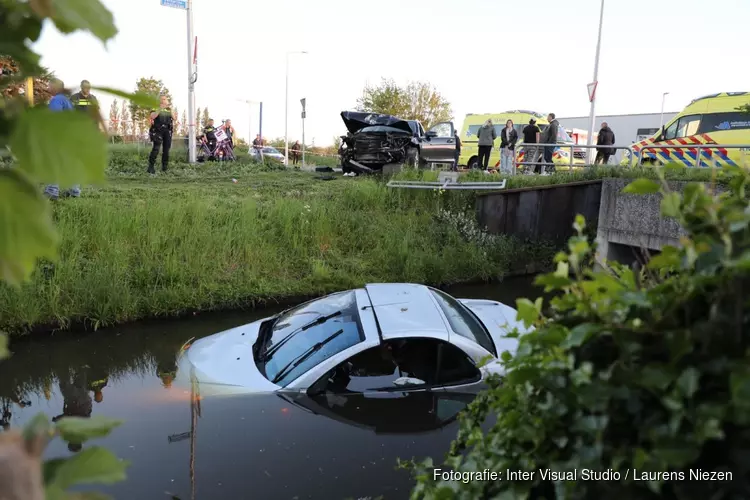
<point>399,413</point>
<point>439,144</point>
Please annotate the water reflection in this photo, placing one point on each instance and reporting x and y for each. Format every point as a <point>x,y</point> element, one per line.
<point>328,447</point>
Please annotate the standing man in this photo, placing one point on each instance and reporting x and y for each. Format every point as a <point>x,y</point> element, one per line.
<point>88,103</point>
<point>531,133</point>
<point>550,137</point>
<point>60,102</point>
<point>606,138</point>
<point>160,134</point>
<point>458,151</point>
<point>486,135</point>
<point>296,150</point>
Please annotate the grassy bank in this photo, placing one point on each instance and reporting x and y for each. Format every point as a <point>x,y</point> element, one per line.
<point>193,239</point>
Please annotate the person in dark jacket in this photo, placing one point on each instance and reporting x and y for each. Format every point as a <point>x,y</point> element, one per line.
<point>486,136</point>
<point>87,102</point>
<point>296,152</point>
<point>531,135</point>
<point>508,139</point>
<point>458,151</point>
<point>160,133</point>
<point>550,137</point>
<point>606,138</point>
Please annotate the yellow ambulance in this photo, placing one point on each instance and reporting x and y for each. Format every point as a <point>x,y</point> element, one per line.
<point>712,119</point>
<point>472,123</point>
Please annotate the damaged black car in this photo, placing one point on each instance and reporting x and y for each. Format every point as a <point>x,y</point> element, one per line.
<point>375,140</point>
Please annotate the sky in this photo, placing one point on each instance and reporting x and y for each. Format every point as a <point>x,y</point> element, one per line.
<point>483,55</point>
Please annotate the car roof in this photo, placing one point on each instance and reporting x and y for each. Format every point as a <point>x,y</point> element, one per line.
<point>405,308</point>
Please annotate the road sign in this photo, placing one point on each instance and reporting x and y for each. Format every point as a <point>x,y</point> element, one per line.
<point>177,4</point>
<point>303,101</point>
<point>304,115</point>
<point>591,88</point>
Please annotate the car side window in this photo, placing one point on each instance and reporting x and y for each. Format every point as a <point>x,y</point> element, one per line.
<point>463,322</point>
<point>671,131</point>
<point>442,130</point>
<point>398,365</point>
<point>723,122</point>
<point>688,126</point>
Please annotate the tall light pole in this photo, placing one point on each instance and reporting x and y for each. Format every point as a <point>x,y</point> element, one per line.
<point>250,118</point>
<point>663,99</point>
<point>592,97</point>
<point>286,107</point>
<point>192,78</point>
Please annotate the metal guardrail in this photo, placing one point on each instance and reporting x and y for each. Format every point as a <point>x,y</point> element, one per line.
<point>700,152</point>
<point>539,148</point>
<point>448,180</point>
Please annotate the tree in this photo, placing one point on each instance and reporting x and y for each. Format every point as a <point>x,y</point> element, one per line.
<point>417,101</point>
<point>10,68</point>
<point>626,371</point>
<point>48,148</point>
<point>126,125</point>
<point>184,125</point>
<point>336,142</point>
<point>176,118</point>
<point>206,117</point>
<point>139,114</point>
<point>198,120</point>
<point>113,126</point>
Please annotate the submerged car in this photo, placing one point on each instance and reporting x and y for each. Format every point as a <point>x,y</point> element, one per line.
<point>382,338</point>
<point>375,140</point>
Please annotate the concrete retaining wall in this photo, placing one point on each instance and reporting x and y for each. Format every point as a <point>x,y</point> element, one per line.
<point>540,213</point>
<point>629,222</point>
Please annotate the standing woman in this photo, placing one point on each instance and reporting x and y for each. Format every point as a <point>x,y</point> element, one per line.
<point>486,135</point>
<point>229,130</point>
<point>508,139</point>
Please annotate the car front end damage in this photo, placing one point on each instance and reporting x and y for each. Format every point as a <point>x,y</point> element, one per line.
<point>375,140</point>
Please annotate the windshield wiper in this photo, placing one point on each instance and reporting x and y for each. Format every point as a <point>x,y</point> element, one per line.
<point>302,357</point>
<point>267,355</point>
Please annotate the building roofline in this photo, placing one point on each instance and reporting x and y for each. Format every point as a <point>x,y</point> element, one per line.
<point>613,116</point>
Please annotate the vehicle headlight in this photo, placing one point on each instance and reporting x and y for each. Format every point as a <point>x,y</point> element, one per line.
<point>564,154</point>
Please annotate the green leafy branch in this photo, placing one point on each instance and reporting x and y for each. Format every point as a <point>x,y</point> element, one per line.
<point>49,148</point>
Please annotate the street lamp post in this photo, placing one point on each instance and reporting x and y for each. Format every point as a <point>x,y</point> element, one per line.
<point>663,99</point>
<point>592,115</point>
<point>250,118</point>
<point>286,108</point>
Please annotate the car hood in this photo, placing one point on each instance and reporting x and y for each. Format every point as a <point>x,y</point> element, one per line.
<point>356,121</point>
<point>223,363</point>
<point>499,320</point>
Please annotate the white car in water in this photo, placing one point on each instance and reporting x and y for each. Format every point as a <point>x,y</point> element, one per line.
<point>381,338</point>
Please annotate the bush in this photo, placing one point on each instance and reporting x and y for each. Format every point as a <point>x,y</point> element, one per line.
<point>642,376</point>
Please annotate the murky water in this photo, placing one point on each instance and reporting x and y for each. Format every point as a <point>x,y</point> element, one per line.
<point>265,447</point>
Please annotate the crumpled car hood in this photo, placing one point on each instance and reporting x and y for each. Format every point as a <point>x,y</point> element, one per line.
<point>356,121</point>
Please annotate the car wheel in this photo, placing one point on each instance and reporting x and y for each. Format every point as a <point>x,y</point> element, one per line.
<point>413,158</point>
<point>473,162</point>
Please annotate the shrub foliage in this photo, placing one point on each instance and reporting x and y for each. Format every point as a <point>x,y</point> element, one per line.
<point>643,375</point>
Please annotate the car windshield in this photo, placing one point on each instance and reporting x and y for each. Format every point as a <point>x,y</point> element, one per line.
<point>296,332</point>
<point>382,129</point>
<point>271,151</point>
<point>562,134</point>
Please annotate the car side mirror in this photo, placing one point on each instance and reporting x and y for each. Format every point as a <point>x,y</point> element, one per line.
<point>407,381</point>
<point>431,133</point>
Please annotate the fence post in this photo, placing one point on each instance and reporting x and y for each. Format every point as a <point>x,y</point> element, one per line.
<point>572,157</point>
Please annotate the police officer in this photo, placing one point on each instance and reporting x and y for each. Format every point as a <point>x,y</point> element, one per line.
<point>209,132</point>
<point>85,100</point>
<point>160,133</point>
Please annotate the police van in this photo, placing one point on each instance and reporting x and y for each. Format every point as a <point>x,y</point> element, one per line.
<point>712,119</point>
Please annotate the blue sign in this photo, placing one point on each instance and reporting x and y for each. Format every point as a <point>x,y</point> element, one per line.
<point>177,4</point>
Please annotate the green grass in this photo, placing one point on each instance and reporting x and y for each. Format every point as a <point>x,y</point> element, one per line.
<point>192,239</point>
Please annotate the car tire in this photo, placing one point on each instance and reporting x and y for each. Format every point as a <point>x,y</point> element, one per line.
<point>473,163</point>
<point>413,158</point>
